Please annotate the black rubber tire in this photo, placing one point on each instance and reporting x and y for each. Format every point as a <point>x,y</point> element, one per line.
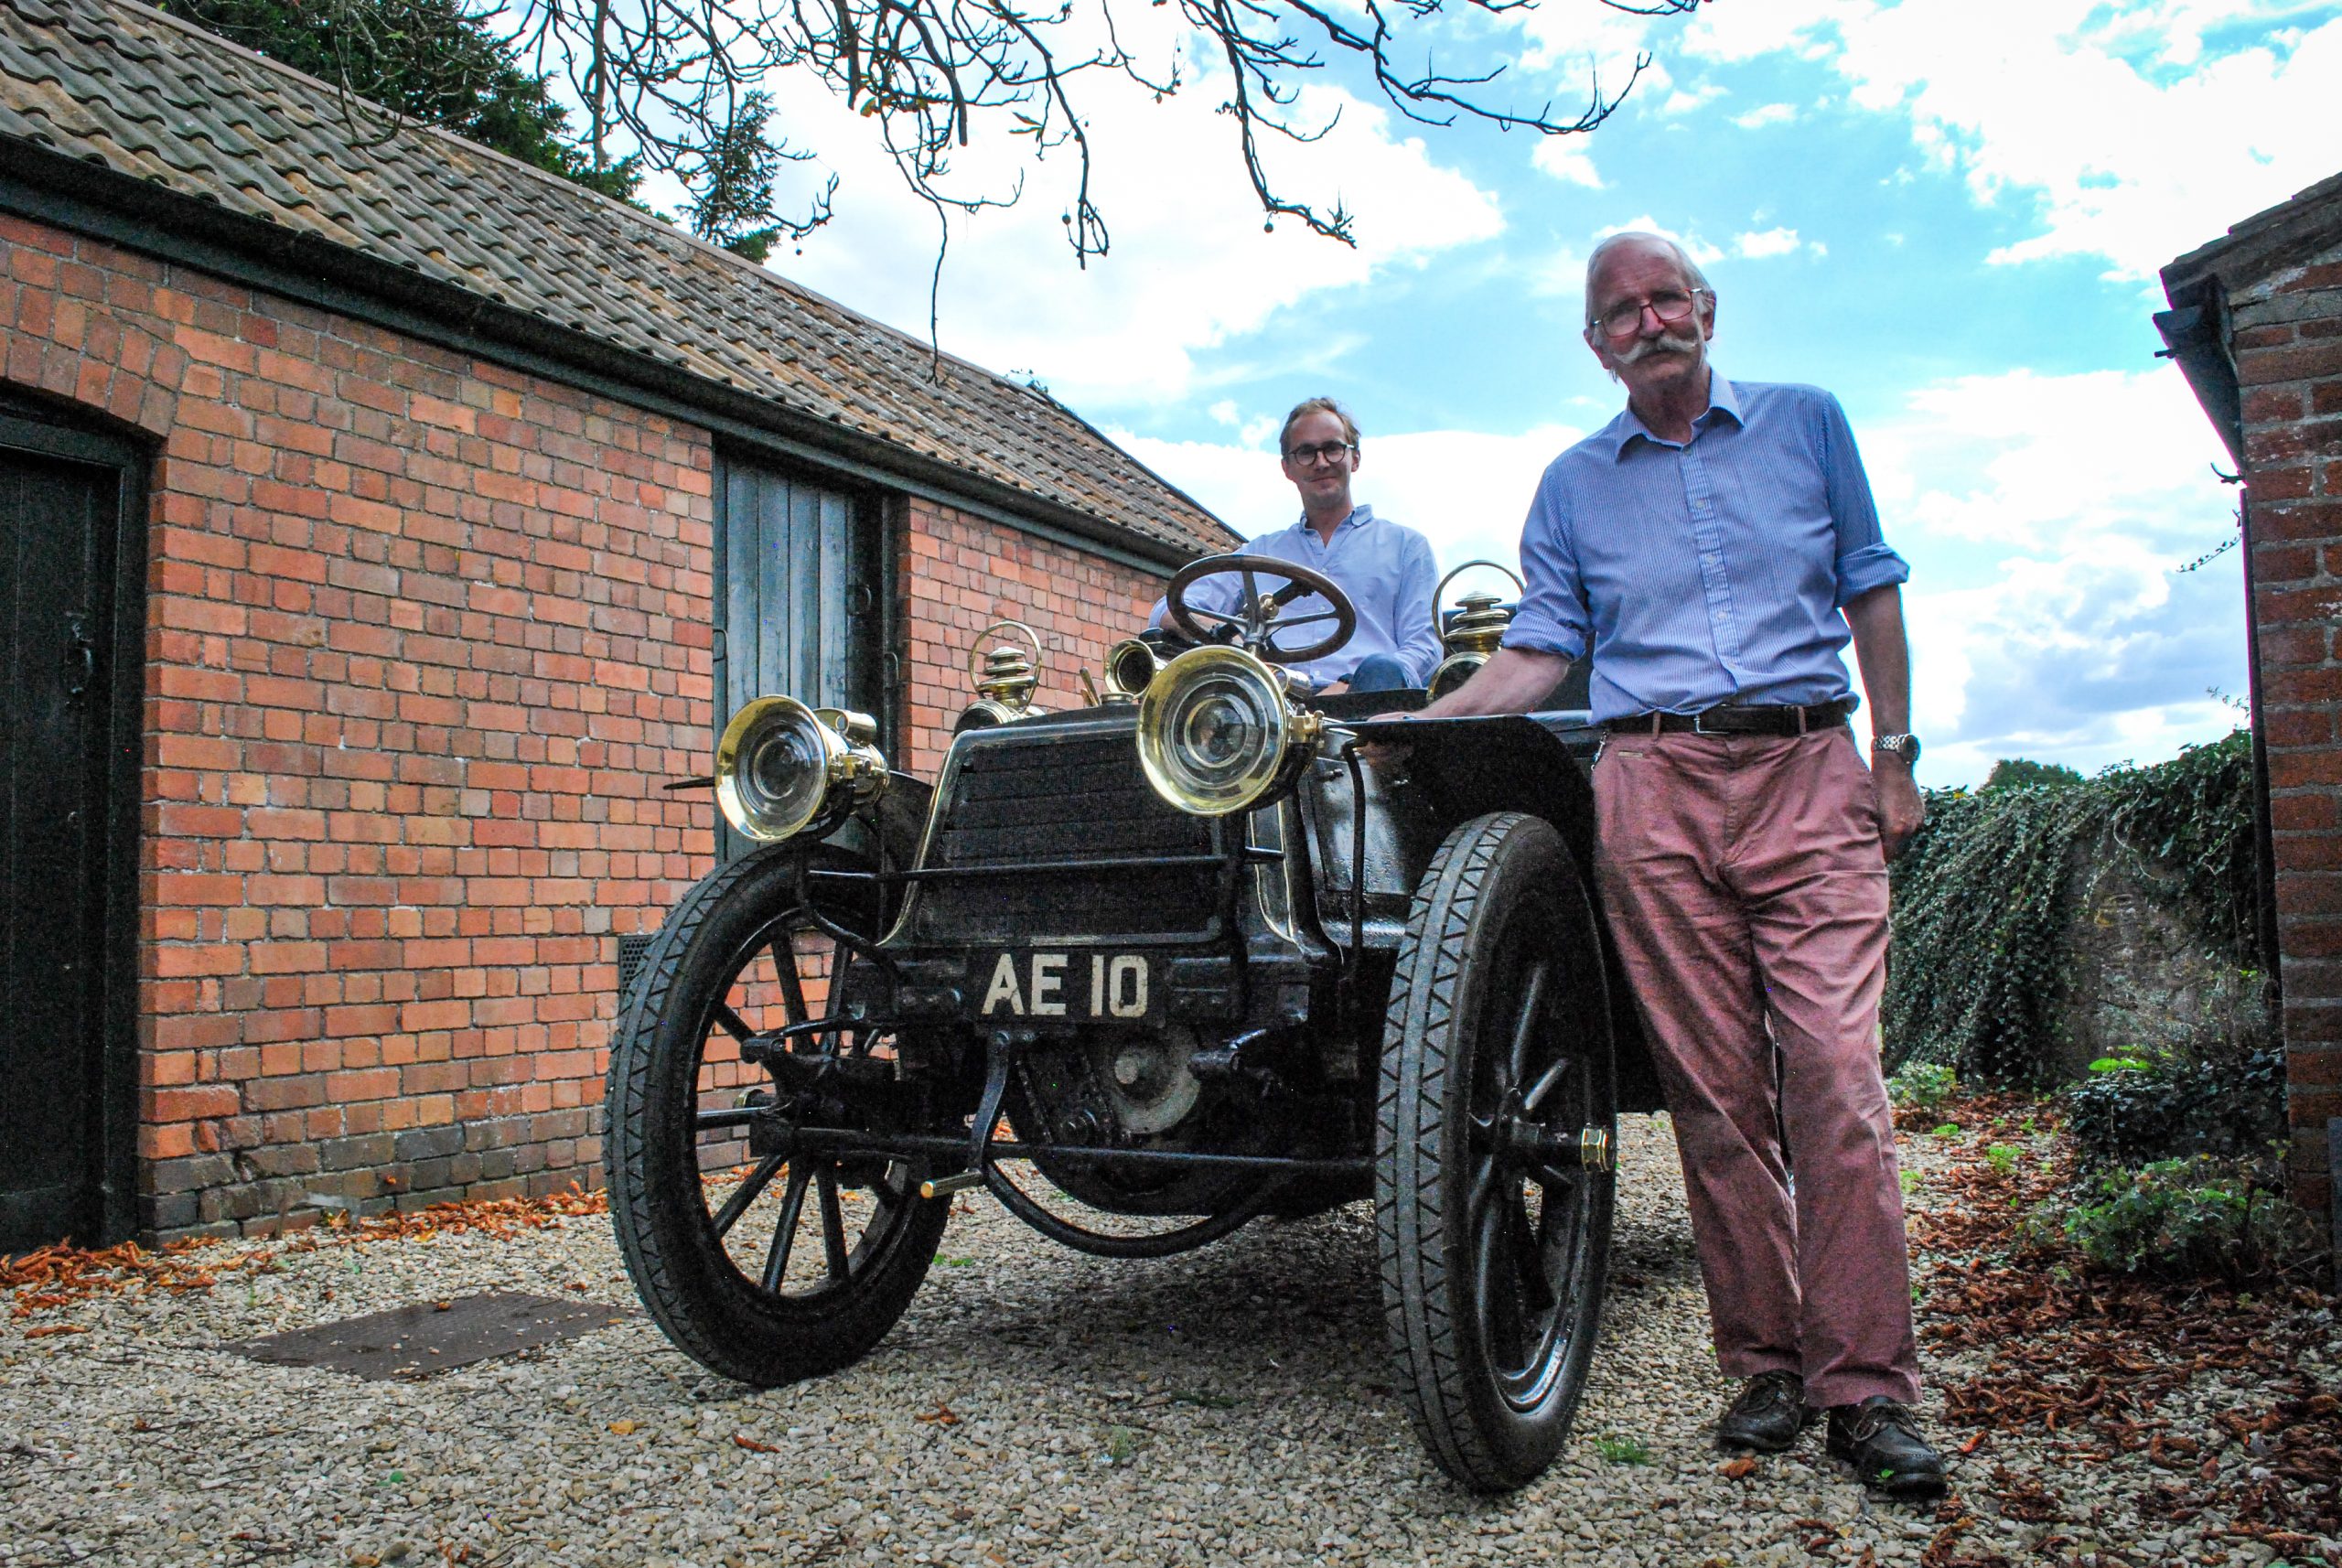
<point>712,1311</point>
<point>1501,903</point>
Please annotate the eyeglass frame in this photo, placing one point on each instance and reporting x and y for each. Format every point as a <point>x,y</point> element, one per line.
<point>1693,293</point>
<point>1329,453</point>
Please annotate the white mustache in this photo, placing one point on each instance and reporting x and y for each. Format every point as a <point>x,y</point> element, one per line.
<point>1665,343</point>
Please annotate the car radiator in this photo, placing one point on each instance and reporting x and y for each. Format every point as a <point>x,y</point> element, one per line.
<point>1027,812</point>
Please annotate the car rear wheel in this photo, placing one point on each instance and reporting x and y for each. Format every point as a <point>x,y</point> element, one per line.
<point>764,1267</point>
<point>1493,1189</point>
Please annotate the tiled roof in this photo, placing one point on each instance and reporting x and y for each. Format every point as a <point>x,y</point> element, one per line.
<point>147,96</point>
<point>2305,222</point>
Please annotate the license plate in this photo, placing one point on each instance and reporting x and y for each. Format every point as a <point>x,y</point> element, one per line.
<point>1074,986</point>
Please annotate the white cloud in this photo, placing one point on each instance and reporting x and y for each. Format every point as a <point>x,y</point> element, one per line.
<point>1225,412</point>
<point>1684,99</point>
<point>1190,264</point>
<point>2044,517</point>
<point>1769,243</point>
<point>2138,137</point>
<point>1769,114</point>
<point>1466,490</point>
<point>1698,248</point>
<point>1568,160</point>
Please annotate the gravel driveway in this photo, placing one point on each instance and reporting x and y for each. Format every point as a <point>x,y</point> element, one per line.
<point>1032,1407</point>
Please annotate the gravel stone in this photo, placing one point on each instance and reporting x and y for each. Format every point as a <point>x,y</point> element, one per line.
<point>1033,1406</point>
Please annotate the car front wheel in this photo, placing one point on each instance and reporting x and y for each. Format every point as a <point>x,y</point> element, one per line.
<point>762,1267</point>
<point>1493,1135</point>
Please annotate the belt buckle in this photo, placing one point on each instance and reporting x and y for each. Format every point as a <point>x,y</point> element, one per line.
<point>1699,724</point>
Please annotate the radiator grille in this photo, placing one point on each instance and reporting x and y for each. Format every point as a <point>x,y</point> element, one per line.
<point>1060,793</point>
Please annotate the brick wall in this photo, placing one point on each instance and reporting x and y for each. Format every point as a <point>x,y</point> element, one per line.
<point>959,573</point>
<point>423,636</point>
<point>2287,342</point>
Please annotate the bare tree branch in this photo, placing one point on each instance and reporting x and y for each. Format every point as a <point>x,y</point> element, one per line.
<point>665,78</point>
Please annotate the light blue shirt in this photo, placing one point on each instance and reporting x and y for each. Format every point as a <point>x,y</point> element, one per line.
<point>1711,572</point>
<point>1385,567</point>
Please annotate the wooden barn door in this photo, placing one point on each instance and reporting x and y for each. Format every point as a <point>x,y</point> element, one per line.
<point>801,598</point>
<point>65,1108</point>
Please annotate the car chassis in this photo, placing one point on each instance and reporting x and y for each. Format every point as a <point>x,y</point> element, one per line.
<point>1184,956</point>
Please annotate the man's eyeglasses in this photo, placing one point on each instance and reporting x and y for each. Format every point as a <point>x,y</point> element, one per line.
<point>1624,319</point>
<point>1324,452</point>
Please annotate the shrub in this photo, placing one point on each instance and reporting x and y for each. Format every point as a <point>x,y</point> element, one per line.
<point>2135,1112</point>
<point>2186,1218</point>
<point>2213,1084</point>
<point>1923,1085</point>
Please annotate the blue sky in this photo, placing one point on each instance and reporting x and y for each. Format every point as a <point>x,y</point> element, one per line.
<point>1950,213</point>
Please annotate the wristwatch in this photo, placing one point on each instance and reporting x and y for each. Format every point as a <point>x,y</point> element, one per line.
<point>1906,747</point>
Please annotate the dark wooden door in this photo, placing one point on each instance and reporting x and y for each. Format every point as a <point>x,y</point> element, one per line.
<point>799,597</point>
<point>59,520</point>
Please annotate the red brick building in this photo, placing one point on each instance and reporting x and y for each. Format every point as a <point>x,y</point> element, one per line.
<point>382,523</point>
<point>2256,323</point>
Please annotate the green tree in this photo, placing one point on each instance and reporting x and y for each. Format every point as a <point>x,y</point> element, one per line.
<point>428,60</point>
<point>2017,772</point>
<point>732,186</point>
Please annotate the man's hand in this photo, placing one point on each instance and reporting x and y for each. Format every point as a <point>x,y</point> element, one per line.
<point>1385,755</point>
<point>1335,689</point>
<point>1901,809</point>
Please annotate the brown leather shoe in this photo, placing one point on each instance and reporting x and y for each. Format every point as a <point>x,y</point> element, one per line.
<point>1881,1439</point>
<point>1767,1416</point>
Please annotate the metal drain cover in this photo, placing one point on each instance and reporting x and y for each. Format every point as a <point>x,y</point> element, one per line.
<point>430,1337</point>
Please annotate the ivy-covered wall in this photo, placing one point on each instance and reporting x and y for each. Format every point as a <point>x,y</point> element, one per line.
<point>1990,896</point>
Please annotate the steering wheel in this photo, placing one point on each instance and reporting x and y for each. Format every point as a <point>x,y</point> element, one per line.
<point>1259,616</point>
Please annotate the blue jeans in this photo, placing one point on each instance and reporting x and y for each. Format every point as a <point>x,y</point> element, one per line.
<point>1381,672</point>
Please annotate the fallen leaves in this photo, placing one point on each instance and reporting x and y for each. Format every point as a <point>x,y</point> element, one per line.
<point>1738,1469</point>
<point>743,1440</point>
<point>46,1330</point>
<point>57,1276</point>
<point>941,1415</point>
<point>2096,1360</point>
<point>625,1428</point>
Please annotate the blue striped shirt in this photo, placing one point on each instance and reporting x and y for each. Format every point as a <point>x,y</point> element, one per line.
<point>1386,568</point>
<point>1711,572</point>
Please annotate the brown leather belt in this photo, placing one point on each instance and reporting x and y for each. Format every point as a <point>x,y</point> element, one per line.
<point>1756,718</point>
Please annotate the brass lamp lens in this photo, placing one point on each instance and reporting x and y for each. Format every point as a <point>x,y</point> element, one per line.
<point>1214,734</point>
<point>772,769</point>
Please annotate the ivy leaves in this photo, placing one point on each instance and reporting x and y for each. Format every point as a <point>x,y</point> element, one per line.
<point>1985,897</point>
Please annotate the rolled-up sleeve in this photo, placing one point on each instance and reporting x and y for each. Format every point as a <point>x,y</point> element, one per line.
<point>1864,559</point>
<point>1552,616</point>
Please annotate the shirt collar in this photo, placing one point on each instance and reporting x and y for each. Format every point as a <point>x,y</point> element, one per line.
<point>1628,427</point>
<point>1359,518</point>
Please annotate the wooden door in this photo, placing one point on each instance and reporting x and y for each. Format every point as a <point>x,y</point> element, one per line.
<point>799,597</point>
<point>60,522</point>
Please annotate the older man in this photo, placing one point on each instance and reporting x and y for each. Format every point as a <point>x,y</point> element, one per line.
<point>1717,547</point>
<point>1385,567</point>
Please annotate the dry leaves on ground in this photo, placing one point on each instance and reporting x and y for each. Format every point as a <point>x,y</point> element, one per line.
<point>2101,1365</point>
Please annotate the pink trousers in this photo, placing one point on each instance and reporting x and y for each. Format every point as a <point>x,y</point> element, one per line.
<point>1746,888</point>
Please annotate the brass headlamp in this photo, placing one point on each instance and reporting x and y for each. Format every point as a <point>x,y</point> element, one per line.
<point>1474,634</point>
<point>1131,665</point>
<point>1219,732</point>
<point>1005,682</point>
<point>783,769</point>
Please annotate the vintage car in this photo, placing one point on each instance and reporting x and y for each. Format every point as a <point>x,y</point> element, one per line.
<point>1144,971</point>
